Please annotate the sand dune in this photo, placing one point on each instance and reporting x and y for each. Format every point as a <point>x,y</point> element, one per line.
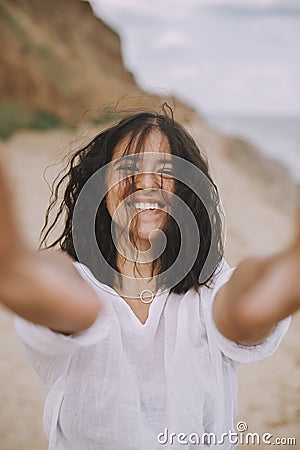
<point>269,394</point>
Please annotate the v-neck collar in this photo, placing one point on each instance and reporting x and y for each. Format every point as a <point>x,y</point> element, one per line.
<point>153,306</point>
<point>160,293</point>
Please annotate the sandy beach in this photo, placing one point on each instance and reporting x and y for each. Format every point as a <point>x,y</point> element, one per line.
<point>269,391</point>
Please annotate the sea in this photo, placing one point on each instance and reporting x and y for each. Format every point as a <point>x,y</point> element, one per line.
<point>277,137</point>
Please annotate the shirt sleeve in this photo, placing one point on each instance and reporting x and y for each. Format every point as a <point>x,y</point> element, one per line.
<point>48,351</point>
<point>247,353</point>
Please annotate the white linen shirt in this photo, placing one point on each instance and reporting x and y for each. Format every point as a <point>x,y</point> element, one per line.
<point>122,385</point>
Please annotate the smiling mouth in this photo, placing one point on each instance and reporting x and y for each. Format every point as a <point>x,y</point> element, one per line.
<point>143,206</point>
<point>147,208</point>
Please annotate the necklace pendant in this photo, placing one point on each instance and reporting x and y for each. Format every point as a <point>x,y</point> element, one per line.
<point>146,301</point>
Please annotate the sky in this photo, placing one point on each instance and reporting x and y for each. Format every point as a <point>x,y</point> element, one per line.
<point>222,56</point>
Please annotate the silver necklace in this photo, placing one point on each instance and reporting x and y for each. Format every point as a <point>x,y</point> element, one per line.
<point>146,301</point>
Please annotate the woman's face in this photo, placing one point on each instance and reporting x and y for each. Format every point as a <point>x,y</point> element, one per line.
<point>149,202</point>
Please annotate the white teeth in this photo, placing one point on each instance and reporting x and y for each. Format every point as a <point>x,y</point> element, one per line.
<point>146,205</point>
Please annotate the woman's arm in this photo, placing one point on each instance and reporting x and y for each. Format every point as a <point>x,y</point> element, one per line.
<point>42,287</point>
<point>261,292</point>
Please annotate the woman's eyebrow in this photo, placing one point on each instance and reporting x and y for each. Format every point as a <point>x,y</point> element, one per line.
<point>124,159</point>
<point>134,158</point>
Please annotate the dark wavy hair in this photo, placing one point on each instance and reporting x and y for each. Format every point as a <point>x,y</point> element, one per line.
<point>99,152</point>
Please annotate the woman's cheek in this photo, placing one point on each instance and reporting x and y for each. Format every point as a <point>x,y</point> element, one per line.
<point>116,209</point>
<point>110,203</point>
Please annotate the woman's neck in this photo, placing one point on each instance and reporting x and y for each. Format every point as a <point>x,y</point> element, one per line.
<point>137,277</point>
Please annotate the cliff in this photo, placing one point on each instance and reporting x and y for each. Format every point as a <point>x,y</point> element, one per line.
<point>56,56</point>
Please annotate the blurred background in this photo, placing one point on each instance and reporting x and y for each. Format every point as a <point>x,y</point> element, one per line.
<point>237,61</point>
<point>230,69</point>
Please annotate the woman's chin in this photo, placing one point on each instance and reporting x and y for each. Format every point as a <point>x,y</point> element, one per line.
<point>145,236</point>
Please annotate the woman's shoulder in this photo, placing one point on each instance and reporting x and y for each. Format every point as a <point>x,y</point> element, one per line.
<point>221,276</point>
<point>89,276</point>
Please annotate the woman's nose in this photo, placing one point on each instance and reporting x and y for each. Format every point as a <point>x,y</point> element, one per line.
<point>146,180</point>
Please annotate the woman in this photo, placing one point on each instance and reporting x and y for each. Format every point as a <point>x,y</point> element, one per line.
<point>134,354</point>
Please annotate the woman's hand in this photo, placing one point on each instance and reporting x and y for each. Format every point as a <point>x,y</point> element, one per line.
<point>43,287</point>
<point>261,292</point>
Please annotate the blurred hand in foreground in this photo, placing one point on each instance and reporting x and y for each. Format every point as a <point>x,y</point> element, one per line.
<point>43,287</point>
<point>260,293</point>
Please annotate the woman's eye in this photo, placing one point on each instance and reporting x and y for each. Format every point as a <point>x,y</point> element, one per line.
<point>127,168</point>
